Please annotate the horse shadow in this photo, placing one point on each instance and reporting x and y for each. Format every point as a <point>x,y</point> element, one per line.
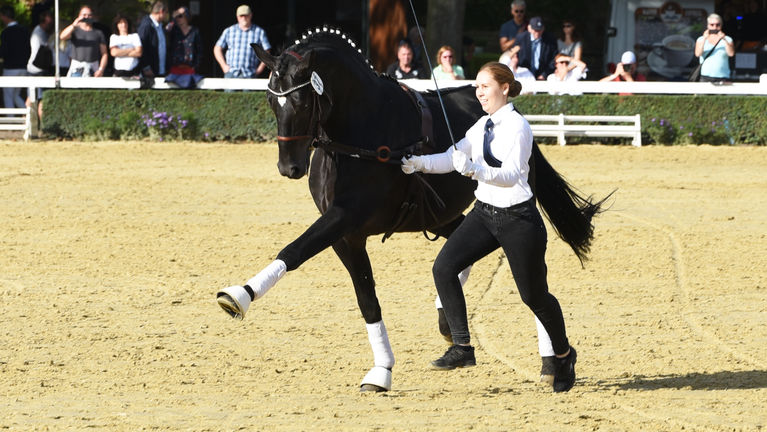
<point>723,380</point>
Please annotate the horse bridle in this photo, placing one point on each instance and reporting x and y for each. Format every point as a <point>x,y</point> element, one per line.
<point>382,154</point>
<point>287,92</point>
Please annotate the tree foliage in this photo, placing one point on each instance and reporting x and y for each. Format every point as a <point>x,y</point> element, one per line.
<point>68,9</point>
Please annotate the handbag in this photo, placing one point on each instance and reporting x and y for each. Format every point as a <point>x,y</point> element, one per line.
<point>43,59</point>
<point>695,74</point>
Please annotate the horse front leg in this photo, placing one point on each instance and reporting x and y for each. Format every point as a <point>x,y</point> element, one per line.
<point>351,251</point>
<point>325,231</point>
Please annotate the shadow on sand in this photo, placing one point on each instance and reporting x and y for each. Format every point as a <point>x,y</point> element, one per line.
<point>724,380</point>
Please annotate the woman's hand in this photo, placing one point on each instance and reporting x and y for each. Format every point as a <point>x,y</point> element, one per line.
<point>463,164</point>
<point>446,65</point>
<point>721,35</point>
<point>412,164</point>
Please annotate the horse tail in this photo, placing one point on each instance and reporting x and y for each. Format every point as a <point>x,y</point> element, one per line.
<point>569,213</point>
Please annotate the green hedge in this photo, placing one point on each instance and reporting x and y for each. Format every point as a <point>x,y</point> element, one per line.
<point>213,115</point>
<point>678,119</point>
<point>208,115</point>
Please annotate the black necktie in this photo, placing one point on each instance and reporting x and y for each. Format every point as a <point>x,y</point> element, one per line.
<point>489,158</point>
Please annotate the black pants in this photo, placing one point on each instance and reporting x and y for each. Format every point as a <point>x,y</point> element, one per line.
<point>519,230</point>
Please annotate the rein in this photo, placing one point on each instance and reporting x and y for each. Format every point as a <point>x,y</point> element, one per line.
<point>382,154</point>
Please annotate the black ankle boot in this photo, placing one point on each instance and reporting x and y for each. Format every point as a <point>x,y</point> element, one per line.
<point>457,356</point>
<point>564,374</point>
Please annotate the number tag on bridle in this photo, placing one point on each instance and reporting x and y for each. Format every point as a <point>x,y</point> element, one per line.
<point>317,83</point>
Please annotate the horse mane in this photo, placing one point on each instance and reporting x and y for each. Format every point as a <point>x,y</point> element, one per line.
<point>332,38</point>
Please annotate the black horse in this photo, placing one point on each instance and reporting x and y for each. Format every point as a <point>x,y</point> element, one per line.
<point>327,98</point>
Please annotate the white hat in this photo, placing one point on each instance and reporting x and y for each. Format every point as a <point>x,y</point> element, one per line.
<point>243,10</point>
<point>628,58</point>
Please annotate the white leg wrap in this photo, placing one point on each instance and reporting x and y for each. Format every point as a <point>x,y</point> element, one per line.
<point>378,376</point>
<point>267,278</point>
<point>241,299</point>
<point>379,341</point>
<point>464,275</point>
<point>544,341</point>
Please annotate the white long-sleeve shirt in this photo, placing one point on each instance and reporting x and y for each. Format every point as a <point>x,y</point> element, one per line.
<point>511,143</point>
<point>38,38</point>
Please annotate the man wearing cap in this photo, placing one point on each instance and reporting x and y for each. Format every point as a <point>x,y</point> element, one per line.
<point>240,60</point>
<point>626,70</point>
<point>537,49</point>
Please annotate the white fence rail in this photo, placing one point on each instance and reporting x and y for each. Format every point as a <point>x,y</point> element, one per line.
<point>562,125</point>
<point>580,87</point>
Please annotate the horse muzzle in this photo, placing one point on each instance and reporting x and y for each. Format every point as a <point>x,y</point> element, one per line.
<point>295,151</point>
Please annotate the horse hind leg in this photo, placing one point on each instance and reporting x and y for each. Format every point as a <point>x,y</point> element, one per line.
<point>353,255</point>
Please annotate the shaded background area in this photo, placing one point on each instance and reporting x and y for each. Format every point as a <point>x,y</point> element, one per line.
<point>378,24</point>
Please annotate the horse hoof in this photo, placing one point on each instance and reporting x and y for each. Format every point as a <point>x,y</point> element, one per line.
<point>548,380</point>
<point>377,379</point>
<point>548,366</point>
<point>364,388</point>
<point>234,301</point>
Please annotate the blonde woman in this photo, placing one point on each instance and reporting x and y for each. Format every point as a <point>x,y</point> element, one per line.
<point>446,69</point>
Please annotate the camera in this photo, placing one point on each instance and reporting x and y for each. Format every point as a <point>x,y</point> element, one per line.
<point>87,20</point>
<point>713,31</point>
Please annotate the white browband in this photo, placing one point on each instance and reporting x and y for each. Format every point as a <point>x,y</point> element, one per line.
<point>315,81</point>
<point>290,90</point>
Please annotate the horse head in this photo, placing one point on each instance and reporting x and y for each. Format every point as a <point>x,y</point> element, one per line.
<point>297,96</point>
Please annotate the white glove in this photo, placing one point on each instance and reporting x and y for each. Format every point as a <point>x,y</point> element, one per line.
<point>463,164</point>
<point>411,165</point>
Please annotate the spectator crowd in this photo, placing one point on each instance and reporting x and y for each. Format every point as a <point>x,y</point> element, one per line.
<point>164,43</point>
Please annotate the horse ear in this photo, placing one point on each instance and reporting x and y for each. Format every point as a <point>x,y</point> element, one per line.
<point>269,60</point>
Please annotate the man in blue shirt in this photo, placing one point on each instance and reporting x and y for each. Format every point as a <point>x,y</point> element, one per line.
<point>240,60</point>
<point>513,27</point>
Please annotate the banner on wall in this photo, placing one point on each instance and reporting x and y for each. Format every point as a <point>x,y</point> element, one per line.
<point>665,40</point>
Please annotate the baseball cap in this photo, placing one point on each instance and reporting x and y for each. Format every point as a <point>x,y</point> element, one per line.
<point>243,10</point>
<point>628,58</point>
<point>536,23</point>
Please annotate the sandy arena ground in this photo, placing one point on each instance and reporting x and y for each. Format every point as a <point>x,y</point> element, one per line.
<point>112,254</point>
